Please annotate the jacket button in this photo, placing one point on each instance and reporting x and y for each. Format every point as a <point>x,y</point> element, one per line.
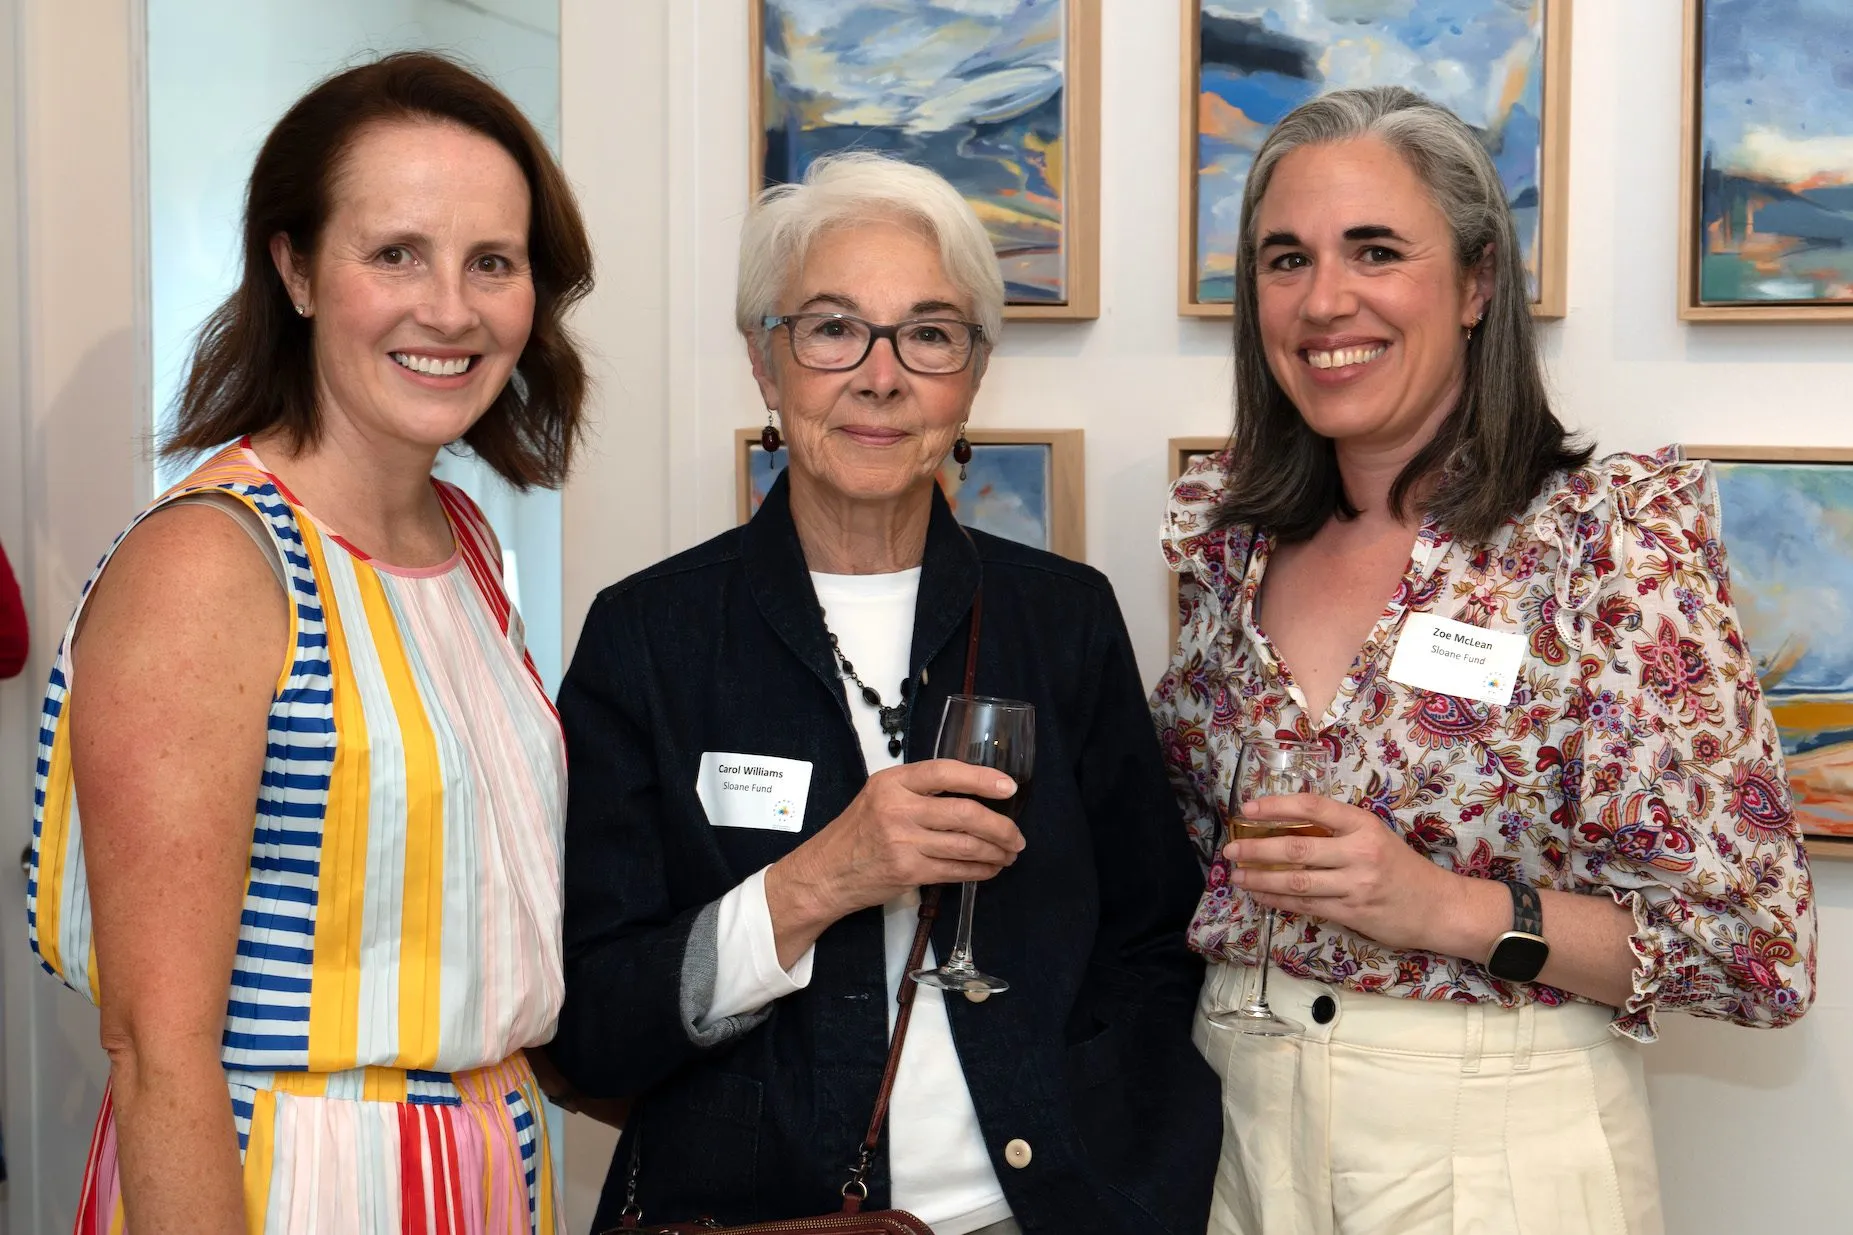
<point>1017,1153</point>
<point>1324,1009</point>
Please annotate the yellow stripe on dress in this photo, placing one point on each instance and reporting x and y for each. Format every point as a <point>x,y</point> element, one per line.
<point>54,848</point>
<point>260,1150</point>
<point>421,936</point>
<point>334,1000</point>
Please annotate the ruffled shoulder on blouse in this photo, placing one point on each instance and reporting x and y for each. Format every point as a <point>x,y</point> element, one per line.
<point>1216,557</point>
<point>1592,513</point>
<point>1625,483</point>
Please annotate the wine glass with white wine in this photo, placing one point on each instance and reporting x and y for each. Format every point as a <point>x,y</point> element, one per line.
<point>1271,768</point>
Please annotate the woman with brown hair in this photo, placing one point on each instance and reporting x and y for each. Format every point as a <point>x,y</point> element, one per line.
<point>319,854</point>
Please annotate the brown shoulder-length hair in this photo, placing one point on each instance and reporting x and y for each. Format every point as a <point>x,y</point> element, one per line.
<point>253,366</point>
<point>1496,449</point>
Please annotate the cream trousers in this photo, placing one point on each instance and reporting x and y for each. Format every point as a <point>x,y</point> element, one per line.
<point>1405,1117</point>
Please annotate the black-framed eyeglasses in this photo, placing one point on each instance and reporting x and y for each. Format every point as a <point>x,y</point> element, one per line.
<point>837,342</point>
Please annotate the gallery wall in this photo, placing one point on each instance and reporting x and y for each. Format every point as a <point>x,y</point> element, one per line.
<point>654,127</point>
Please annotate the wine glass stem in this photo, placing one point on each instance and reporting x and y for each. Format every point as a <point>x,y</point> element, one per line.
<point>962,945</point>
<point>1267,957</point>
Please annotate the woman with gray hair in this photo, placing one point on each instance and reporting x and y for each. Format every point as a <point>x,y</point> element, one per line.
<point>1554,804</point>
<point>753,810</point>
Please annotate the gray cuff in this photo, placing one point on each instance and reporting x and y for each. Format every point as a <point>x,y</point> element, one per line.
<point>699,962</point>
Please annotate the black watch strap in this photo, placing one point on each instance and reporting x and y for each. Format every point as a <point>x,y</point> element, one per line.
<point>1527,910</point>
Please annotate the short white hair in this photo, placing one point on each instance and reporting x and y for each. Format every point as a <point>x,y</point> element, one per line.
<point>852,187</point>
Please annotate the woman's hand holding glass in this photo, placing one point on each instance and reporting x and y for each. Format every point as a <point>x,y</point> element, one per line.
<point>1362,875</point>
<point>903,831</point>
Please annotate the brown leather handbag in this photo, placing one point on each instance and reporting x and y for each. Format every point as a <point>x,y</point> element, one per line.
<point>850,1220</point>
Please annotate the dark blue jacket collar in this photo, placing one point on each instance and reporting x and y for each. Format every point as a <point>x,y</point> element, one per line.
<point>780,582</point>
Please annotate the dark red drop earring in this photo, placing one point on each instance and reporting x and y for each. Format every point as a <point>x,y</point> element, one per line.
<point>961,452</point>
<point>769,440</point>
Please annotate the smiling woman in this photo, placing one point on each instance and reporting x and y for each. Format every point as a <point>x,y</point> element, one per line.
<point>315,889</point>
<point>734,954</point>
<point>1404,560</point>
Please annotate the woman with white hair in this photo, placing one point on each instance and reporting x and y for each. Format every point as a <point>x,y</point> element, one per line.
<point>735,961</point>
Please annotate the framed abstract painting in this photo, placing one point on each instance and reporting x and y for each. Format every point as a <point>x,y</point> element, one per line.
<point>1026,485</point>
<point>1766,193</point>
<point>1002,98</point>
<point>1503,66</point>
<point>1789,545</point>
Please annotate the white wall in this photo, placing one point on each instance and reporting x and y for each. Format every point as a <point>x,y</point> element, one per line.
<point>15,718</point>
<point>71,473</point>
<point>654,128</point>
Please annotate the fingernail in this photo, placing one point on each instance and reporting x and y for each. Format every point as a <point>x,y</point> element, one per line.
<point>1006,785</point>
<point>1249,808</point>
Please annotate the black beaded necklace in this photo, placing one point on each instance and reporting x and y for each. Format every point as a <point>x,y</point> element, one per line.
<point>893,719</point>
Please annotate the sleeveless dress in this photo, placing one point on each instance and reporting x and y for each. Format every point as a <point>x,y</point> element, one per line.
<point>400,940</point>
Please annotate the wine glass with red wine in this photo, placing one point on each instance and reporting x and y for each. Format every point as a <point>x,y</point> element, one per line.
<point>992,733</point>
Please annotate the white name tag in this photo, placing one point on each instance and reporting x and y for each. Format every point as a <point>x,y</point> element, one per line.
<point>753,791</point>
<point>1453,658</point>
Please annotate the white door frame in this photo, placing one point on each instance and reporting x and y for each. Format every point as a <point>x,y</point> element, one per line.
<point>74,391</point>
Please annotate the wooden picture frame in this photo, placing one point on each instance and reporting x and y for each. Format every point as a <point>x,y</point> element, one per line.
<point>1063,513</point>
<point>1180,452</point>
<point>1554,164</point>
<point>1080,227</point>
<point>1768,589</point>
<point>1693,307</point>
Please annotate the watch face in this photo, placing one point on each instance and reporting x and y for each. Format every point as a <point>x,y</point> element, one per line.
<point>1518,958</point>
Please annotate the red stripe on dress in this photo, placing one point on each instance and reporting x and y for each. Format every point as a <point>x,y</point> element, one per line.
<point>412,1218</point>
<point>433,1133</point>
<point>468,521</point>
<point>453,1168</point>
<point>102,1182</point>
<point>475,541</point>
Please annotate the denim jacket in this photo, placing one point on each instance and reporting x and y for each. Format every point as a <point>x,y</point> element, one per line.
<point>1087,1058</point>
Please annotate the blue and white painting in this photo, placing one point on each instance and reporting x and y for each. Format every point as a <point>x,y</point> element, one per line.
<point>1788,534</point>
<point>1776,151</point>
<point>973,89</point>
<point>1482,59</point>
<point>1008,489</point>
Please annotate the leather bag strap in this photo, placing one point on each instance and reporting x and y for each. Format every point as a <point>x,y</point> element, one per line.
<point>857,1190</point>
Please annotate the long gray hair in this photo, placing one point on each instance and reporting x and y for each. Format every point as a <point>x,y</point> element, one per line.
<point>1502,440</point>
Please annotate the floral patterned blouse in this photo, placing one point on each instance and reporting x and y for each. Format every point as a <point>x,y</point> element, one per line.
<point>1636,755</point>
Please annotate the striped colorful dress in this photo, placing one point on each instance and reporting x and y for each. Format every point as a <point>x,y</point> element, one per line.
<point>401,930</point>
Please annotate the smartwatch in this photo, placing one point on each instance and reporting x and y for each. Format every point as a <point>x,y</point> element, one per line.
<point>1519,954</point>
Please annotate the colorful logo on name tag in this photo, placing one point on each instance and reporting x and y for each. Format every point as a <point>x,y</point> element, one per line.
<point>784,811</point>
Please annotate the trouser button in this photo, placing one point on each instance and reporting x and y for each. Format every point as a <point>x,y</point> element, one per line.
<point>1324,1009</point>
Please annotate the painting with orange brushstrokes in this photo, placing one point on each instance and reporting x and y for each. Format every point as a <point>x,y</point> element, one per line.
<point>1788,534</point>
<point>1483,59</point>
<point>1776,152</point>
<point>1007,491</point>
<point>973,90</point>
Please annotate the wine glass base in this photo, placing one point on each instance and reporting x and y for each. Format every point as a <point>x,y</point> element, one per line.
<point>970,983</point>
<point>1259,1023</point>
